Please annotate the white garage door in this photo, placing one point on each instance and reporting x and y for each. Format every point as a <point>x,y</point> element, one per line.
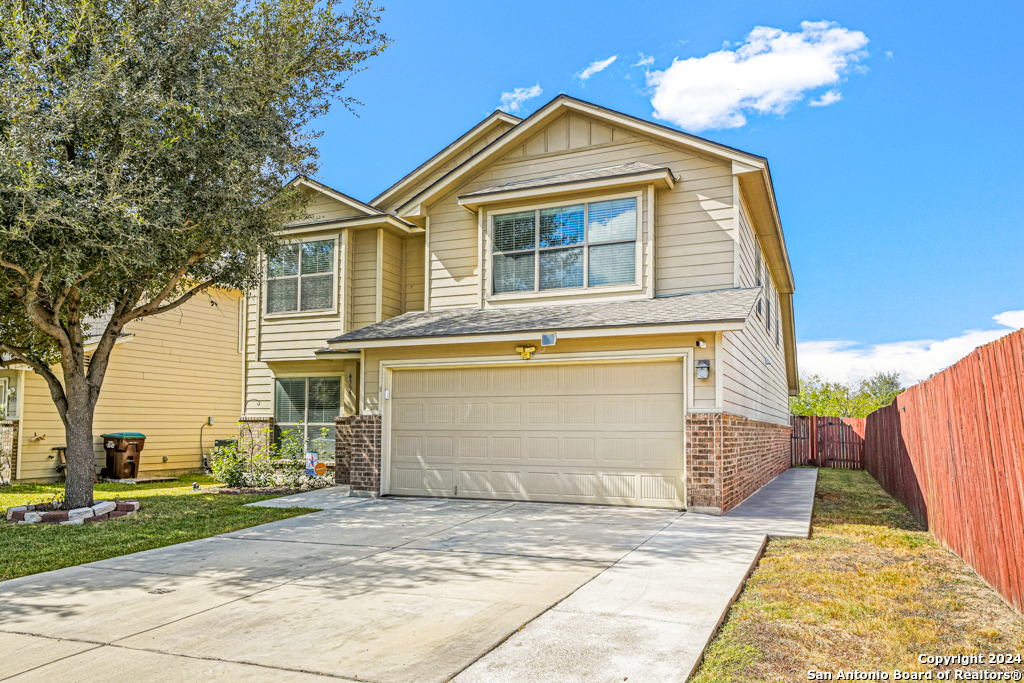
<point>608,433</point>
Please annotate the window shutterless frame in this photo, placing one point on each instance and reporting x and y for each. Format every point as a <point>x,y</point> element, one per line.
<point>585,245</point>
<point>298,311</point>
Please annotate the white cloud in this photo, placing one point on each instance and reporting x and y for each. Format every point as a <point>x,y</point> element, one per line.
<point>512,102</point>
<point>645,60</point>
<point>831,97</point>
<point>845,361</point>
<point>599,65</point>
<point>889,55</point>
<point>766,74</point>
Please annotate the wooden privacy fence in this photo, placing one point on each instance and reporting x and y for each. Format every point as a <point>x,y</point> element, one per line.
<point>952,449</point>
<point>828,441</point>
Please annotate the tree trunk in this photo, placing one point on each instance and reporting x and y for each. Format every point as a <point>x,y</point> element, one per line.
<point>81,459</point>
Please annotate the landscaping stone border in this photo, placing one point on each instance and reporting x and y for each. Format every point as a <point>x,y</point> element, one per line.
<point>48,513</point>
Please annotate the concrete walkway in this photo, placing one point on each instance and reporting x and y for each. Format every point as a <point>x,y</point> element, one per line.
<point>651,615</point>
<point>404,590</point>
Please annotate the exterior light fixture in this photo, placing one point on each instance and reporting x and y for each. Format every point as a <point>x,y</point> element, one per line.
<point>703,369</point>
<point>526,351</point>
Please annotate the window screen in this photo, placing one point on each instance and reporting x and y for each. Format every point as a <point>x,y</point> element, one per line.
<point>565,247</point>
<point>301,277</point>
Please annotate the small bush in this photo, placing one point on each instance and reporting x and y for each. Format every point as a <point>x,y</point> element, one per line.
<point>241,469</point>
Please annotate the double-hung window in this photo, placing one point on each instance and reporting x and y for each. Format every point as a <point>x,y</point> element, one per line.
<point>301,277</point>
<point>310,401</point>
<point>591,244</point>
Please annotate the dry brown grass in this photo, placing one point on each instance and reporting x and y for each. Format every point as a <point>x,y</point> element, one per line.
<point>869,590</point>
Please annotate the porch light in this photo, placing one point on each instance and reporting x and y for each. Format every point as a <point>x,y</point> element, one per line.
<point>703,369</point>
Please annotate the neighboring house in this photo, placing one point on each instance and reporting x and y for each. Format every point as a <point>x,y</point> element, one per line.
<point>654,259</point>
<point>168,375</point>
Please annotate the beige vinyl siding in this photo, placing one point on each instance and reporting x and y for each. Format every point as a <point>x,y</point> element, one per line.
<point>364,278</point>
<point>696,227</point>
<point>703,390</point>
<point>750,387</point>
<point>471,148</point>
<point>696,221</point>
<point>178,369</point>
<point>391,280</point>
<point>454,277</point>
<point>414,259</point>
<point>297,336</point>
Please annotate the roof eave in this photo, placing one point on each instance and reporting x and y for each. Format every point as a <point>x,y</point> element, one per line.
<point>661,179</point>
<point>387,221</point>
<point>433,162</point>
<point>317,186</point>
<point>721,325</point>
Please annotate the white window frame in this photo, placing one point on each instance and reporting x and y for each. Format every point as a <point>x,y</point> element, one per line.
<point>5,386</point>
<point>635,286</point>
<point>306,376</point>
<point>334,272</point>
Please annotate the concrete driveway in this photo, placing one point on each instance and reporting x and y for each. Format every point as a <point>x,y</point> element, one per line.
<point>401,590</point>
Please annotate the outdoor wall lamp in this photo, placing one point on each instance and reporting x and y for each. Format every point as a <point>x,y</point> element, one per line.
<point>526,351</point>
<point>703,369</point>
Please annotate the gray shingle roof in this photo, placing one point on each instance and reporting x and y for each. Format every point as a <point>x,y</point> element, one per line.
<point>727,305</point>
<point>632,168</point>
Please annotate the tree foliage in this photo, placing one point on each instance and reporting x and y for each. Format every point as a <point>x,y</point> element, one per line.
<point>144,148</point>
<point>820,397</point>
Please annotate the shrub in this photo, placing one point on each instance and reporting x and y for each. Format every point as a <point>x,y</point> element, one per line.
<point>239,468</point>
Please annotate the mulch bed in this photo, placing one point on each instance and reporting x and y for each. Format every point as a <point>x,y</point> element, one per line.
<point>266,491</point>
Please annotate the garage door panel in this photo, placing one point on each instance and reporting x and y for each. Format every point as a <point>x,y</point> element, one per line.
<point>601,433</point>
<point>586,413</point>
<point>651,448</point>
<point>540,379</point>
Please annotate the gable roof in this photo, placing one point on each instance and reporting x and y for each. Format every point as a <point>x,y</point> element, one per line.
<point>317,186</point>
<point>715,307</point>
<point>439,159</point>
<point>751,169</point>
<point>550,111</point>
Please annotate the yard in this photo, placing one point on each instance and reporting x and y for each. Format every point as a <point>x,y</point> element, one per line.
<point>869,590</point>
<point>171,513</point>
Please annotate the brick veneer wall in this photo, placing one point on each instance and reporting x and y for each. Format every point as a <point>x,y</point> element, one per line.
<point>357,452</point>
<point>255,431</point>
<point>8,450</point>
<point>730,457</point>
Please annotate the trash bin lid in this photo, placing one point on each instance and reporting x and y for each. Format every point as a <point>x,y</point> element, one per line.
<point>124,435</point>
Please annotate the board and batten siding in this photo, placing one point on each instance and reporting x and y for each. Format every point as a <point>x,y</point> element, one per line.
<point>696,223</point>
<point>177,370</point>
<point>750,387</point>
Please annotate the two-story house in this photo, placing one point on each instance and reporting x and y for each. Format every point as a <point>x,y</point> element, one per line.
<point>578,306</point>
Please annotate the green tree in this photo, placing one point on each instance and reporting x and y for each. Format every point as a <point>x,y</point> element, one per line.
<point>836,399</point>
<point>144,148</point>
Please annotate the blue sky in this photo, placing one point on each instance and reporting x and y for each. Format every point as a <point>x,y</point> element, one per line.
<point>901,202</point>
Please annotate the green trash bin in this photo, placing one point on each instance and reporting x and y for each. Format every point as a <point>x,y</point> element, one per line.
<point>123,454</point>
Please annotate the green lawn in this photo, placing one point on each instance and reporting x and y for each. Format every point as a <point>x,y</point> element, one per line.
<point>869,590</point>
<point>171,513</point>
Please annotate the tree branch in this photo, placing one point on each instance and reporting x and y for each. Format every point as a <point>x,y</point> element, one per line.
<point>60,399</point>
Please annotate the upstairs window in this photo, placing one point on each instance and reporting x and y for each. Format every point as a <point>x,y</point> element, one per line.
<point>301,277</point>
<point>578,246</point>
